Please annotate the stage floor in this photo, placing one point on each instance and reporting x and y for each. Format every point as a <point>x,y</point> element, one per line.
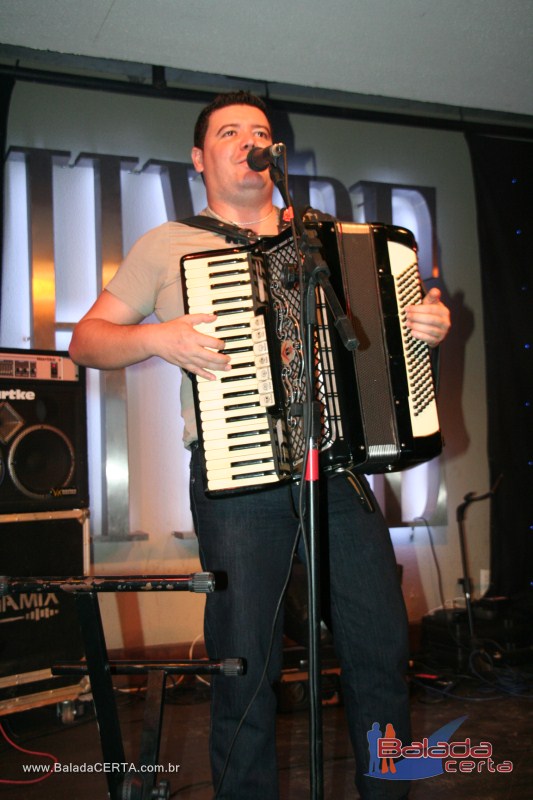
<point>501,714</point>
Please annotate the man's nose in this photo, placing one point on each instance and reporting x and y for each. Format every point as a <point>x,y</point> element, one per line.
<point>252,140</point>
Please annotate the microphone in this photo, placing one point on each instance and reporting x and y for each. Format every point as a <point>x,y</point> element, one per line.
<point>260,159</point>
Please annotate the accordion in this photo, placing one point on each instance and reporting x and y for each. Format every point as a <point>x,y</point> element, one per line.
<point>377,402</point>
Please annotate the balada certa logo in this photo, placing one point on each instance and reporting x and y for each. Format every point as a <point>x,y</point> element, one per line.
<point>392,760</point>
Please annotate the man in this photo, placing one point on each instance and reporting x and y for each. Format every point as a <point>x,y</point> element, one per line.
<point>251,537</point>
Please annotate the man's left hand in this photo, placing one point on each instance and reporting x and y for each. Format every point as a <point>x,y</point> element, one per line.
<point>430,319</point>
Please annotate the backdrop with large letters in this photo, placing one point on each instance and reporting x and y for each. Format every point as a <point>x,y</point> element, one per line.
<point>88,172</point>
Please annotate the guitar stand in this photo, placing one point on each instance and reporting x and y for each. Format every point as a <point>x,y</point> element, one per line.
<point>125,780</point>
<point>466,580</point>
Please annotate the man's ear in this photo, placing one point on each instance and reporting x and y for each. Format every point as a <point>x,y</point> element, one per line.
<point>197,155</point>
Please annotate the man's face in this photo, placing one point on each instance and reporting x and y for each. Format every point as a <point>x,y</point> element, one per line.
<point>232,131</point>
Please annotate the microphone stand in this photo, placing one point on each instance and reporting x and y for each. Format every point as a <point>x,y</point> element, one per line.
<point>315,273</point>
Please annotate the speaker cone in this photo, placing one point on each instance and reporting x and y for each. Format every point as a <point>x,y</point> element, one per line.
<point>41,461</point>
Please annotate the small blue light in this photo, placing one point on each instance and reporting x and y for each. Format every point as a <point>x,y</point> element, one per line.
<point>514,180</point>
<point>518,231</point>
<point>527,346</point>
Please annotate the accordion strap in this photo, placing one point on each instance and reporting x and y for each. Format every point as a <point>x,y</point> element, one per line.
<point>232,232</point>
<point>236,235</point>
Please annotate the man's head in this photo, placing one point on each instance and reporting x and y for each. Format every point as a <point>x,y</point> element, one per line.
<point>239,98</point>
<point>226,131</point>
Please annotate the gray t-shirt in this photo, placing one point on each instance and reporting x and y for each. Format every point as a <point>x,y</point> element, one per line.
<point>149,280</point>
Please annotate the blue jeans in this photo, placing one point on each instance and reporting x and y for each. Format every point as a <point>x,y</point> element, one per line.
<point>250,539</point>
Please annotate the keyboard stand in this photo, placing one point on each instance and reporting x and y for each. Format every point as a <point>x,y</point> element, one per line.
<point>125,780</point>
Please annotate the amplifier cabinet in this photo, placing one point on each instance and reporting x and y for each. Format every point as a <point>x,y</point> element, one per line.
<point>504,635</point>
<point>37,630</point>
<point>43,432</point>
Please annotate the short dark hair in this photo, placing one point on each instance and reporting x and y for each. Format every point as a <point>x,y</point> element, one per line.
<point>239,98</point>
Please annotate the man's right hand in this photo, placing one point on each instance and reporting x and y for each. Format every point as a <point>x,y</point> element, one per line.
<point>179,342</point>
